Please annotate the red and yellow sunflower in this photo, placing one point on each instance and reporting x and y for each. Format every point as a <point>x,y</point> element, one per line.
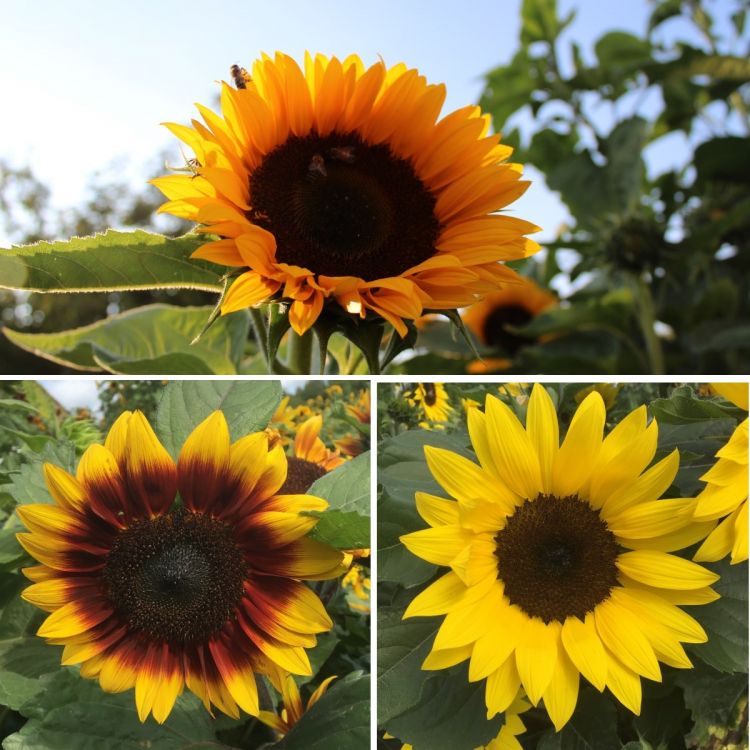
<point>338,184</point>
<point>155,594</point>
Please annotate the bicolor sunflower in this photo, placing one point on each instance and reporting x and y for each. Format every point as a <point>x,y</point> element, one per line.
<point>311,459</point>
<point>149,593</point>
<point>725,494</point>
<point>433,402</point>
<point>338,184</point>
<point>493,319</point>
<point>560,556</point>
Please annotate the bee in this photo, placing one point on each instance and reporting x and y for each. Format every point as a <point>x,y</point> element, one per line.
<point>317,165</point>
<point>430,395</point>
<point>342,153</point>
<point>240,76</point>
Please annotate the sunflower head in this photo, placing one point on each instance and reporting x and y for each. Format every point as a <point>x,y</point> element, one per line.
<point>149,592</point>
<point>336,186</point>
<point>494,319</point>
<point>560,556</point>
<point>433,403</point>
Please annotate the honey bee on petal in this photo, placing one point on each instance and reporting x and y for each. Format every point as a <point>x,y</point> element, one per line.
<point>240,76</point>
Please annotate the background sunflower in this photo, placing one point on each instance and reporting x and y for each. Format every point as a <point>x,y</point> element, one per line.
<point>673,712</point>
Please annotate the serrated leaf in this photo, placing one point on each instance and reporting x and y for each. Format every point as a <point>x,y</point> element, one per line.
<point>108,262</point>
<point>247,405</point>
<point>340,719</point>
<point>145,333</point>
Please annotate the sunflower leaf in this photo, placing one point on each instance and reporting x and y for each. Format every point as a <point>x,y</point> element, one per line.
<point>340,719</point>
<point>247,406</point>
<point>145,340</point>
<point>347,487</point>
<point>725,621</point>
<point>71,713</point>
<point>341,529</point>
<point>107,262</point>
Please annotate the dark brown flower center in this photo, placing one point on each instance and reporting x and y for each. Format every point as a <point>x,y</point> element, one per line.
<point>300,476</point>
<point>495,330</point>
<point>341,207</point>
<point>556,557</point>
<point>177,577</point>
<point>430,393</point>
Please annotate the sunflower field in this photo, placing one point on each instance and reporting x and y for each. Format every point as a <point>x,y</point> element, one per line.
<point>562,566</point>
<point>185,566</point>
<point>340,222</point>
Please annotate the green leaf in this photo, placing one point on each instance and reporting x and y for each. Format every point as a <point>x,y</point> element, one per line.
<point>402,647</point>
<point>451,715</point>
<point>11,552</point>
<point>664,10</point>
<point>149,333</point>
<point>347,487</point>
<point>725,621</point>
<point>716,702</point>
<point>683,406</point>
<point>29,656</point>
<point>15,689</point>
<point>340,719</point>
<point>620,51</point>
<point>346,523</point>
<point>247,405</point>
<point>539,21</point>
<point>108,262</point>
<point>27,484</point>
<point>593,726</point>
<point>342,530</point>
<point>75,714</point>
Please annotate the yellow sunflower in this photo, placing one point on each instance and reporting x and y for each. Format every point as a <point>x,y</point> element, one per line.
<point>311,459</point>
<point>514,306</point>
<point>433,401</point>
<point>148,594</point>
<point>559,557</point>
<point>725,494</point>
<point>338,183</point>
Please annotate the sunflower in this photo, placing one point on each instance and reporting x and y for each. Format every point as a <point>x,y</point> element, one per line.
<point>725,493</point>
<point>293,708</point>
<point>513,306</point>
<point>157,595</point>
<point>338,183</point>
<point>311,459</point>
<point>559,557</point>
<point>433,401</point>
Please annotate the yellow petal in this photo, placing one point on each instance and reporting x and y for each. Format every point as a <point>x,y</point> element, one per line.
<point>561,695</point>
<point>585,649</point>
<point>543,430</point>
<point>580,448</point>
<point>439,545</point>
<point>536,656</point>
<point>502,687</point>
<point>664,571</point>
<point>446,657</point>
<point>437,511</point>
<point>64,488</point>
<point>621,633</point>
<point>624,684</point>
<point>513,452</point>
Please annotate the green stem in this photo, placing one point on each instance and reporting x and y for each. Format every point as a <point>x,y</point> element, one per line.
<point>647,318</point>
<point>261,334</point>
<point>299,352</point>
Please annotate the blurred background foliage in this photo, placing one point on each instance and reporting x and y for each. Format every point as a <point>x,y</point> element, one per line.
<point>652,273</point>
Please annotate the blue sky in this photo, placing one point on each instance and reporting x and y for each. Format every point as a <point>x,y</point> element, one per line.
<point>87,82</point>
